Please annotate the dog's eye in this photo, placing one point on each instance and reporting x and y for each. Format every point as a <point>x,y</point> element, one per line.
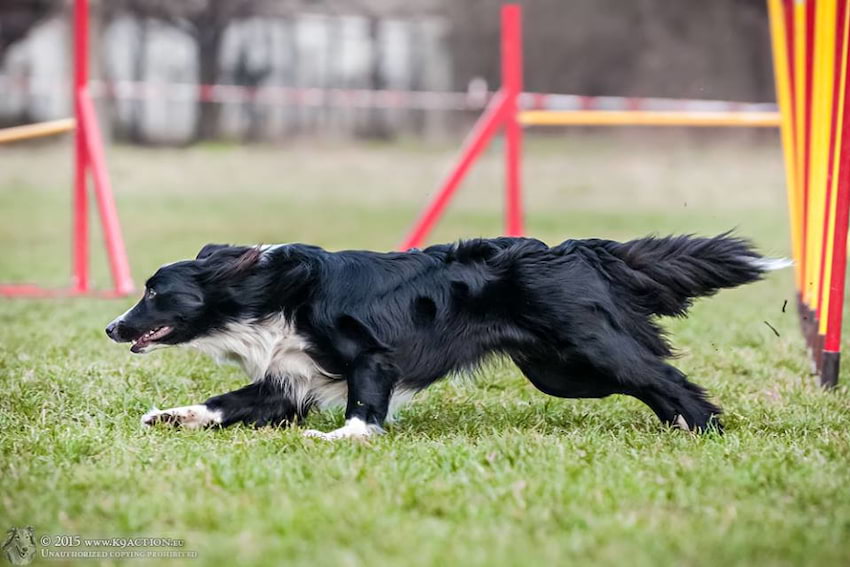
<point>151,294</point>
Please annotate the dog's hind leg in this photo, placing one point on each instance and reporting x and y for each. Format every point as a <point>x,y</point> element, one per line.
<point>640,372</point>
<point>676,401</point>
<point>596,372</point>
<point>679,402</point>
<point>562,378</point>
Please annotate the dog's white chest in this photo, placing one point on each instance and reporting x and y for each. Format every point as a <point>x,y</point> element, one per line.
<point>267,349</point>
<point>270,349</point>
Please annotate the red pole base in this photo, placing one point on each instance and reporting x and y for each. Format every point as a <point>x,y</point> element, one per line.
<point>829,370</point>
<point>33,291</point>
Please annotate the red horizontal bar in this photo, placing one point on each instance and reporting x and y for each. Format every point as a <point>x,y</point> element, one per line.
<point>36,292</point>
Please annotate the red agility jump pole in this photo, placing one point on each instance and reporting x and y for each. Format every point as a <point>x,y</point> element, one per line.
<point>504,111</point>
<point>80,251</point>
<point>89,158</point>
<point>512,85</point>
<point>500,112</point>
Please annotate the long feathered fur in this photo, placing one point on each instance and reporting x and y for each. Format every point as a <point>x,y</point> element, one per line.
<point>664,275</point>
<point>579,318</point>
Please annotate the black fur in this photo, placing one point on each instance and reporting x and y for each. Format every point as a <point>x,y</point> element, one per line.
<point>577,318</point>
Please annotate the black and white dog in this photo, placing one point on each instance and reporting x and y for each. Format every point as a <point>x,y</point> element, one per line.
<point>368,330</point>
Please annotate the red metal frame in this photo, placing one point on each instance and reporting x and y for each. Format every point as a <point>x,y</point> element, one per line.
<point>500,112</point>
<point>88,158</point>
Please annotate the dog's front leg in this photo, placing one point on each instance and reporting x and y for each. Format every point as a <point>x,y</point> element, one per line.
<point>370,385</point>
<point>258,404</point>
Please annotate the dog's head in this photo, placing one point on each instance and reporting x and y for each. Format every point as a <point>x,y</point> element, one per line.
<point>187,299</point>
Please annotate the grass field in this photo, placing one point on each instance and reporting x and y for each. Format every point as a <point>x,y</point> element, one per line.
<point>475,473</point>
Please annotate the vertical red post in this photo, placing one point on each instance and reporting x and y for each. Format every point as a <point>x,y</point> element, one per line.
<point>502,110</point>
<point>512,88</point>
<point>834,315</point>
<point>80,251</point>
<point>89,158</point>
<point>116,252</point>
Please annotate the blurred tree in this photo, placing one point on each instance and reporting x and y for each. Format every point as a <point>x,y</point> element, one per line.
<point>716,49</point>
<point>251,72</point>
<point>206,21</point>
<point>18,17</point>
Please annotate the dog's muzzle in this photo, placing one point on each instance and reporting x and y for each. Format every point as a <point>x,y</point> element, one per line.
<point>112,331</point>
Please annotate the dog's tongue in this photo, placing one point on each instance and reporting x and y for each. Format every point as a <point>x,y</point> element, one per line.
<point>145,340</point>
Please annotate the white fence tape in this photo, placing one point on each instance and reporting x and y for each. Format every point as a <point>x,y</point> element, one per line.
<point>365,98</point>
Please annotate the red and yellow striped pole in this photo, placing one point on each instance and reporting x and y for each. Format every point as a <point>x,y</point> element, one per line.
<point>782,43</point>
<point>811,43</point>
<point>836,260</point>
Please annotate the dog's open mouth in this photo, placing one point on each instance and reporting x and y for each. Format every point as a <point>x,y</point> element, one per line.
<point>152,336</point>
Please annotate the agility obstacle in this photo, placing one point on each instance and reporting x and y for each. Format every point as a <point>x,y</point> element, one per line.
<point>646,118</point>
<point>810,53</point>
<point>89,158</point>
<point>810,46</point>
<point>504,113</point>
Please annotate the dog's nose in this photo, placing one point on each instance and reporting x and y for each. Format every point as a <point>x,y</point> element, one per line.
<point>110,329</point>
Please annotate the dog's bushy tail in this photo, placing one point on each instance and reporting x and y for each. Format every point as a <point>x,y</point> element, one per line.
<point>665,275</point>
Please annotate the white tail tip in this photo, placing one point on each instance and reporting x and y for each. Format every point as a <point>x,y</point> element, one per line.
<point>771,264</point>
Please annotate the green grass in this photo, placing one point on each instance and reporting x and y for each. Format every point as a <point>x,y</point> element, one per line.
<point>487,472</point>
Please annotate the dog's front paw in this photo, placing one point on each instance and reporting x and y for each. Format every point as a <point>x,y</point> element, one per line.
<point>316,434</point>
<point>354,428</point>
<point>190,417</point>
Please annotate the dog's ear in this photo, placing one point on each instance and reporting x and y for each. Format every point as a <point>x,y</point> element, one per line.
<point>238,265</point>
<point>209,250</point>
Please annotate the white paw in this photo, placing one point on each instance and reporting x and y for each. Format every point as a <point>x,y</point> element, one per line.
<point>354,428</point>
<point>190,417</point>
<point>316,434</point>
<point>681,423</point>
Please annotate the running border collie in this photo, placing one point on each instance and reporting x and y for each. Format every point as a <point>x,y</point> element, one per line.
<point>368,330</point>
